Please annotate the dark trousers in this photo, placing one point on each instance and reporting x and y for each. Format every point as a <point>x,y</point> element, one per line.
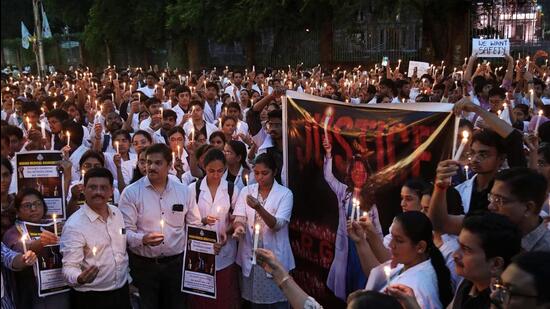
<point>158,282</point>
<point>115,299</point>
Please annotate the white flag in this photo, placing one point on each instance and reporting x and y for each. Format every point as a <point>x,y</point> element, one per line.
<point>46,32</point>
<point>25,35</point>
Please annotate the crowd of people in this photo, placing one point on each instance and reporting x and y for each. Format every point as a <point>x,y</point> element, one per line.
<point>141,147</point>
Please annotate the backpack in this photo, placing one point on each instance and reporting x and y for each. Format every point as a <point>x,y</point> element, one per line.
<point>230,189</point>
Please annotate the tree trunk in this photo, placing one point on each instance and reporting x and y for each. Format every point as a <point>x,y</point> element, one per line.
<point>108,52</point>
<point>193,53</point>
<point>325,46</point>
<point>250,50</point>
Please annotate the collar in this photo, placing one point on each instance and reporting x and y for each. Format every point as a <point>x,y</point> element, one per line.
<point>529,241</point>
<point>147,183</point>
<point>91,214</point>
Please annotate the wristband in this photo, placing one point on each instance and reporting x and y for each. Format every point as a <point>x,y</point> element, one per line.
<point>285,279</point>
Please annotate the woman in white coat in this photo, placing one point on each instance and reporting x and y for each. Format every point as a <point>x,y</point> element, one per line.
<point>215,198</point>
<point>345,274</point>
<point>265,206</point>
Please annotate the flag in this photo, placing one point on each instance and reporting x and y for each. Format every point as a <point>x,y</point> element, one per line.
<point>25,36</point>
<point>46,31</point>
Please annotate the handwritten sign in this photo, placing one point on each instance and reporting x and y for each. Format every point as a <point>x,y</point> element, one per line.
<point>492,48</point>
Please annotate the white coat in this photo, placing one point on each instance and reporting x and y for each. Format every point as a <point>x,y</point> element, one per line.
<point>279,204</point>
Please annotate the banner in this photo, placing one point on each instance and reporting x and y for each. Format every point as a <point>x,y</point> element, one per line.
<point>375,148</point>
<point>491,48</point>
<point>39,170</point>
<point>199,263</point>
<point>48,268</point>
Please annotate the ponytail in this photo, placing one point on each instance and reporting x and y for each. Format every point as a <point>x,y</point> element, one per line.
<point>418,228</point>
<point>443,274</point>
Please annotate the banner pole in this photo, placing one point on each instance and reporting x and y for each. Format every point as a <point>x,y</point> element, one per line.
<point>284,172</point>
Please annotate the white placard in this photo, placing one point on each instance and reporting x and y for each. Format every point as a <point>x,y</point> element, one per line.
<point>421,68</point>
<point>490,48</point>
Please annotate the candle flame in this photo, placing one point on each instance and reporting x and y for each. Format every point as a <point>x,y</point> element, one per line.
<point>257,229</point>
<point>162,223</point>
<point>387,271</point>
<point>94,250</point>
<point>465,136</point>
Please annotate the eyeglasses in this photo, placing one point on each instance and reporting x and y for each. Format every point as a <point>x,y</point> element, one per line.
<point>481,156</point>
<point>499,200</point>
<point>87,166</point>
<point>32,205</point>
<point>501,294</point>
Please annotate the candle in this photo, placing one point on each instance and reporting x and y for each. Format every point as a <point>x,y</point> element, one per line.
<point>353,204</point>
<point>24,242</point>
<point>82,173</point>
<point>328,113</point>
<point>179,151</point>
<point>387,272</point>
<point>28,123</point>
<point>256,240</point>
<point>113,97</point>
<point>466,171</point>
<point>68,138</point>
<point>192,134</point>
<point>246,180</point>
<point>54,217</point>
<point>532,99</point>
<point>173,160</point>
<point>220,123</point>
<point>161,112</point>
<point>94,252</point>
<point>43,128</point>
<point>162,226</point>
<point>117,145</point>
<point>462,144</point>
<point>537,123</point>
<point>358,211</point>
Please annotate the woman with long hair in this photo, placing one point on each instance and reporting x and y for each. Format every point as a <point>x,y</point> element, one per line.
<point>345,274</point>
<point>237,168</point>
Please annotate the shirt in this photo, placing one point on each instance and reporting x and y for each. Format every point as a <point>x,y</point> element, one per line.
<point>83,231</point>
<point>537,240</point>
<point>75,160</point>
<point>467,297</point>
<point>143,208</point>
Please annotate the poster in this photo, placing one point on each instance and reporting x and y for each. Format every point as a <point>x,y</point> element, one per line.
<point>421,68</point>
<point>389,143</point>
<point>48,268</point>
<point>490,48</point>
<point>39,170</point>
<point>199,263</point>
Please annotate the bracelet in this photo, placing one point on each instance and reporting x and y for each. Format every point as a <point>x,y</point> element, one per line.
<point>285,279</point>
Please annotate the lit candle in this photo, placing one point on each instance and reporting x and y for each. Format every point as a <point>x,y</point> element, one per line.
<point>466,171</point>
<point>387,272</point>
<point>532,99</point>
<point>162,226</point>
<point>161,112</point>
<point>353,207</point>
<point>538,122</point>
<point>68,138</point>
<point>43,128</point>
<point>328,113</point>
<point>94,252</point>
<point>28,123</point>
<point>179,151</point>
<point>24,242</point>
<point>256,240</point>
<point>173,160</point>
<point>117,145</point>
<point>54,217</point>
<point>193,134</point>
<point>463,143</point>
<point>220,123</point>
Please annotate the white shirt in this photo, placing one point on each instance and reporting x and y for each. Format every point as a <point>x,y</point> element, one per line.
<point>86,229</point>
<point>188,126</point>
<point>145,125</point>
<point>208,206</point>
<point>279,204</point>
<point>75,160</point>
<point>110,163</point>
<point>421,278</point>
<point>128,169</point>
<point>210,115</point>
<point>143,208</point>
<point>229,91</point>
<point>179,113</point>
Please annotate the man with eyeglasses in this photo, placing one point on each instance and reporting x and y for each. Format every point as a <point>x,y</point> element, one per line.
<point>524,283</point>
<point>492,148</point>
<point>517,193</point>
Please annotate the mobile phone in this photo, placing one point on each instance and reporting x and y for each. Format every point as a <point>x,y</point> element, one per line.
<point>384,61</point>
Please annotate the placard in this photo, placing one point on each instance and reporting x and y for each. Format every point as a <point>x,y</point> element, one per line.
<point>421,68</point>
<point>490,48</point>
<point>40,170</point>
<point>199,263</point>
<point>48,268</point>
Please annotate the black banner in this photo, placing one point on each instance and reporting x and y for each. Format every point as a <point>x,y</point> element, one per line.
<point>374,147</point>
